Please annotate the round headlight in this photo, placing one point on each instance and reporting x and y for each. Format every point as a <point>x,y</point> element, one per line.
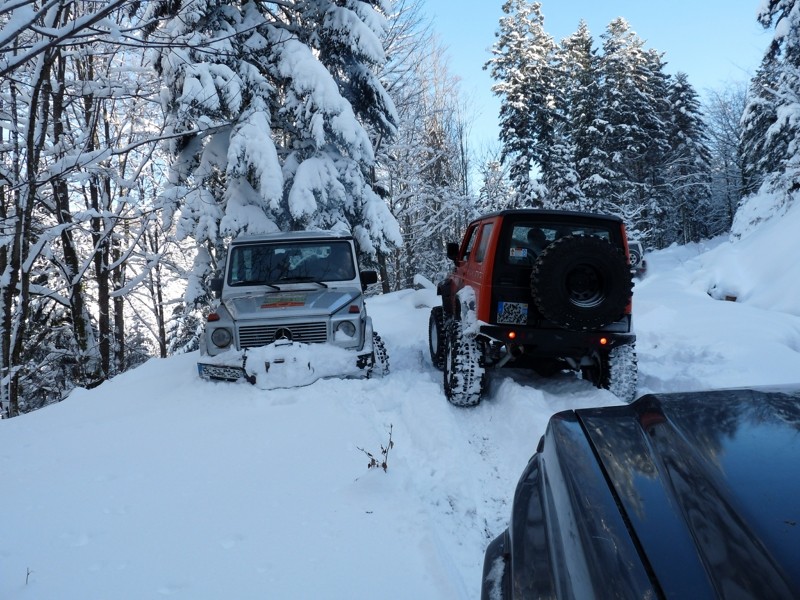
<point>347,328</point>
<point>221,338</point>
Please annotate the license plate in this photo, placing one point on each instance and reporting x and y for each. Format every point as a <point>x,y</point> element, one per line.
<point>220,372</point>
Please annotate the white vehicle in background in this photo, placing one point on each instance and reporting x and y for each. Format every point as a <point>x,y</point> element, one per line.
<point>638,262</point>
<point>291,311</point>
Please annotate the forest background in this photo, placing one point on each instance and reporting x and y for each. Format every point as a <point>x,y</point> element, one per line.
<point>138,137</point>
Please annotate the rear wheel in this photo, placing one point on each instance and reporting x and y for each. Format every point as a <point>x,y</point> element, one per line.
<point>616,371</point>
<point>436,337</point>
<point>464,372</point>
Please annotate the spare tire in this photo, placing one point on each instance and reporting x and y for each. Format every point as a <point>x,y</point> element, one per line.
<point>581,282</point>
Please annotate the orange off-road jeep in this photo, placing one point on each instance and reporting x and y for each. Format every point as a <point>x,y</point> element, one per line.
<point>539,289</point>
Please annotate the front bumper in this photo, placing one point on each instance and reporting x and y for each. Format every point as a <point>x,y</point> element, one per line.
<point>220,372</point>
<point>286,364</point>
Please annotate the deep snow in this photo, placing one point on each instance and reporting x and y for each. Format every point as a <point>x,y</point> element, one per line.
<point>158,484</point>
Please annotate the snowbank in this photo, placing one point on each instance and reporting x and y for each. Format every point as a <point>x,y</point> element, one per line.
<point>157,484</point>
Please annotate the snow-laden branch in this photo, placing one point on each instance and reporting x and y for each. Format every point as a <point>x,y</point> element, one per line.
<point>85,160</point>
<point>152,262</point>
<point>54,37</point>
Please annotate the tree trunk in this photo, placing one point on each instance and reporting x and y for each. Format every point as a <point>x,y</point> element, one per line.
<point>89,372</point>
<point>118,283</point>
<point>16,292</point>
<point>385,287</point>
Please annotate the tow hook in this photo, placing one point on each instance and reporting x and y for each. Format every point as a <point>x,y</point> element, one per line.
<point>513,351</point>
<point>251,379</point>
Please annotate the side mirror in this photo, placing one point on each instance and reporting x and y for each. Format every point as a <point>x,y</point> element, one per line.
<point>368,278</point>
<point>215,285</point>
<point>452,251</point>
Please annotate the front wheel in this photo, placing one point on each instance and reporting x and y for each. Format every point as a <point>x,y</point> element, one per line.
<point>380,357</point>
<point>464,371</point>
<point>436,337</point>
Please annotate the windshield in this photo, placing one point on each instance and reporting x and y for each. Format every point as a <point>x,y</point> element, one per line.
<point>271,263</point>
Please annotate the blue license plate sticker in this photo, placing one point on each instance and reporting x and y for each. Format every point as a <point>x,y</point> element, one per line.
<point>512,313</point>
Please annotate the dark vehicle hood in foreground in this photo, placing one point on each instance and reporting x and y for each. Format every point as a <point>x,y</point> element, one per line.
<point>290,303</point>
<point>709,484</point>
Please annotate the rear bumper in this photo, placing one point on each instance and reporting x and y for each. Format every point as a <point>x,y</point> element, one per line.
<point>535,341</point>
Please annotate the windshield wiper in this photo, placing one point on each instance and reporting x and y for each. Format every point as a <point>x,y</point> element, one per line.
<point>255,282</point>
<point>305,279</point>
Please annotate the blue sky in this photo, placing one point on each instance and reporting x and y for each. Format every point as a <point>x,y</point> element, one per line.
<point>713,41</point>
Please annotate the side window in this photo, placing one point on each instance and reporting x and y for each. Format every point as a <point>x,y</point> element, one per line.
<point>241,265</point>
<point>486,232</point>
<point>473,234</point>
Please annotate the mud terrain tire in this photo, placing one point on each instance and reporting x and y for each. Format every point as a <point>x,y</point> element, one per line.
<point>380,358</point>
<point>581,282</point>
<point>464,372</point>
<point>616,371</point>
<point>436,337</point>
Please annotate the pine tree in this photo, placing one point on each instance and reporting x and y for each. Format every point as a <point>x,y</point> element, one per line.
<point>632,130</point>
<point>272,110</point>
<point>771,138</point>
<point>495,191</point>
<point>657,126</point>
<point>688,172</point>
<point>524,71</point>
<point>577,79</point>
<point>617,121</point>
<point>761,153</point>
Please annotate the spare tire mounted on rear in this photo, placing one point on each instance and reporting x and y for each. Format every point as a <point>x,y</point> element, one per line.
<point>581,282</point>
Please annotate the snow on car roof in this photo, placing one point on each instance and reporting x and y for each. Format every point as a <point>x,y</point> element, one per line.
<point>292,235</point>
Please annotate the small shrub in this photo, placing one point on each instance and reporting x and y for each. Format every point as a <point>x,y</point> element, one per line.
<point>375,463</point>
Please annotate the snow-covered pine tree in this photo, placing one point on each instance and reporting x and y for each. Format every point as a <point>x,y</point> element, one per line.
<point>617,124</point>
<point>524,73</point>
<point>760,153</point>
<point>655,193</point>
<point>271,106</point>
<point>584,97</point>
<point>577,82</point>
<point>631,128</point>
<point>688,169</point>
<point>495,192</point>
<point>561,178</point>
<point>771,137</point>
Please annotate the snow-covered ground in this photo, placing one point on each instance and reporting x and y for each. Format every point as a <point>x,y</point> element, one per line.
<point>157,484</point>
